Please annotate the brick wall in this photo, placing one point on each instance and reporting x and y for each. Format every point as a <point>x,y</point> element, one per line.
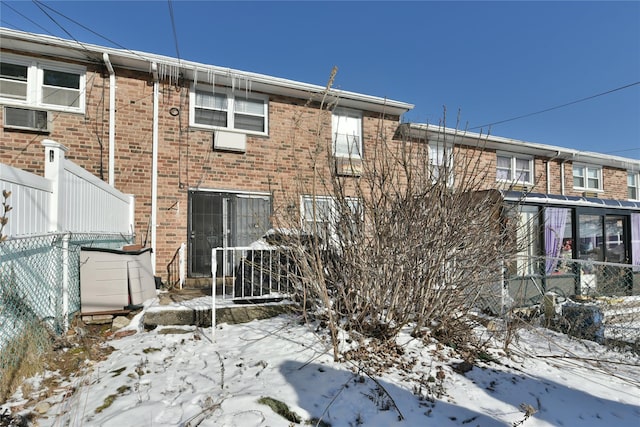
<point>283,164</point>
<point>279,164</point>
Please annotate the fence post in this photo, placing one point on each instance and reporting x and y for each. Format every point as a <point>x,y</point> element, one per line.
<point>54,157</point>
<point>132,214</point>
<point>214,271</point>
<point>504,289</point>
<point>65,281</point>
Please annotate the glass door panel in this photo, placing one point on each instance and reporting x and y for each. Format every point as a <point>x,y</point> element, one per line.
<point>205,231</point>
<point>615,231</point>
<point>590,246</point>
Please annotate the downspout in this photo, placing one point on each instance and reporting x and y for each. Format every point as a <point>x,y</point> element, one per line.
<point>549,175</point>
<point>154,167</point>
<point>562,187</point>
<point>112,118</point>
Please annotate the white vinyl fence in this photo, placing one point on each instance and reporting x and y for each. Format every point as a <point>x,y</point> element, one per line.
<point>51,218</point>
<point>67,199</point>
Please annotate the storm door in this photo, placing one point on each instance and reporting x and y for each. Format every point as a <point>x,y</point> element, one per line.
<point>222,220</point>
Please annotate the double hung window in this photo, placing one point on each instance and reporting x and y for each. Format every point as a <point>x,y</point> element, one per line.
<point>440,162</point>
<point>347,133</point>
<point>587,177</point>
<point>30,83</point>
<point>225,109</point>
<point>514,168</point>
<point>324,216</point>
<point>633,185</point>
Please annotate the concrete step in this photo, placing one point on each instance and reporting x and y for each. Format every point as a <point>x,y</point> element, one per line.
<point>201,316</point>
<point>197,282</point>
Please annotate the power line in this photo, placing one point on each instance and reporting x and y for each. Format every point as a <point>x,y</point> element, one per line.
<point>27,18</point>
<point>557,106</point>
<point>622,151</point>
<point>90,30</point>
<point>173,26</point>
<point>37,3</point>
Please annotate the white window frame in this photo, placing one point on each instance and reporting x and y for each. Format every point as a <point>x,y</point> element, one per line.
<point>336,115</point>
<point>231,97</point>
<point>585,176</point>
<point>441,159</point>
<point>35,79</point>
<point>633,186</point>
<point>308,219</point>
<point>513,169</point>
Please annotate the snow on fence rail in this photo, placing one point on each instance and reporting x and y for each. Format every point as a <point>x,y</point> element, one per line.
<point>67,199</point>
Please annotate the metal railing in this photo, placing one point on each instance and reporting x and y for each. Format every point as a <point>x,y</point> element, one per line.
<point>252,274</point>
<point>176,269</point>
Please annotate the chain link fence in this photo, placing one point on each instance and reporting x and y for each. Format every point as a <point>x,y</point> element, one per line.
<point>40,284</point>
<point>585,298</point>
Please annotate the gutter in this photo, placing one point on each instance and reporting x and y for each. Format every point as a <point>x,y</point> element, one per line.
<point>462,137</point>
<point>154,166</point>
<point>140,61</point>
<point>112,118</point>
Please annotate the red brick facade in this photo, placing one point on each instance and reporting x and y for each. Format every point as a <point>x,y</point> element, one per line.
<point>278,164</point>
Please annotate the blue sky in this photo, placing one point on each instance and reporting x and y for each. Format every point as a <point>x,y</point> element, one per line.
<point>492,61</point>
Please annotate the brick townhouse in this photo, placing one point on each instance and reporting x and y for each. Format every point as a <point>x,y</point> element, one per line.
<point>212,153</point>
<point>575,204</point>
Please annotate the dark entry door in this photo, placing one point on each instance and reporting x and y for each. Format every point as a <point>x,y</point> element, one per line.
<point>206,230</point>
<point>221,220</point>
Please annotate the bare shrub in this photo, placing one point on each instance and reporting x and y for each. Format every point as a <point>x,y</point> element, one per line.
<point>5,210</point>
<point>401,241</point>
<point>22,357</point>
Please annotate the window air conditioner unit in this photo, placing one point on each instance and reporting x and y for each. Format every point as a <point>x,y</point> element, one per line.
<point>229,141</point>
<point>521,187</point>
<point>348,166</point>
<point>26,119</point>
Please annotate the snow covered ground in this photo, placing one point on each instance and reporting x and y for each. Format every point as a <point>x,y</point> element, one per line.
<point>180,377</point>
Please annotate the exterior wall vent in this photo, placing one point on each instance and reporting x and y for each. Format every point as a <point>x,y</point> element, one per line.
<point>27,119</point>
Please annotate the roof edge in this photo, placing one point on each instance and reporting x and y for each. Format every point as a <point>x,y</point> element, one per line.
<point>463,137</point>
<point>141,61</point>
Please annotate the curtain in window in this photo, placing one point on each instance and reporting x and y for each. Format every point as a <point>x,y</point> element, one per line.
<point>503,170</point>
<point>555,220</point>
<point>635,240</point>
<point>346,131</point>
